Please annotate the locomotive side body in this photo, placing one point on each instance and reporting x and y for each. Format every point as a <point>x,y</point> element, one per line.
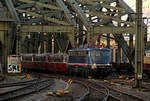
<point>89,61</point>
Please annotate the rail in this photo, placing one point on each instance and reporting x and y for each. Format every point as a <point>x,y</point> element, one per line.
<point>27,89</point>
<point>2,85</point>
<point>83,97</point>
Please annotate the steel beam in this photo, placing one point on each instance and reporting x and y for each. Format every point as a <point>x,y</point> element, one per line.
<point>12,10</point>
<point>103,0</point>
<point>119,47</point>
<point>108,40</point>
<point>66,11</point>
<point>80,13</point>
<point>139,54</point>
<point>129,10</point>
<point>70,30</point>
<point>41,4</point>
<point>6,19</point>
<point>101,15</point>
<point>3,26</point>
<point>4,42</point>
<point>84,19</point>
<point>101,5</point>
<point>44,17</point>
<point>46,28</point>
<point>111,29</point>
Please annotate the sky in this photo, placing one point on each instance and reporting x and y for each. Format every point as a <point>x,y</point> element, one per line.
<point>146,11</point>
<point>131,3</point>
<point>146,8</point>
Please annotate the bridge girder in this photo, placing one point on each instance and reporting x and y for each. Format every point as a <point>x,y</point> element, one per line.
<point>71,16</point>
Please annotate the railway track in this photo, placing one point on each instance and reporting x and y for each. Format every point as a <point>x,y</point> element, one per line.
<point>99,91</point>
<point>115,93</point>
<point>25,89</point>
<point>96,92</point>
<point>85,95</point>
<point>82,97</point>
<point>2,85</point>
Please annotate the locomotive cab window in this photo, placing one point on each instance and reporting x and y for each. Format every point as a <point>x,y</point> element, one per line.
<point>95,53</point>
<point>80,56</point>
<point>78,53</point>
<point>106,53</point>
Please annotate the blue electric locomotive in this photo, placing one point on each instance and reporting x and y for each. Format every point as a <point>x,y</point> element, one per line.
<point>89,61</point>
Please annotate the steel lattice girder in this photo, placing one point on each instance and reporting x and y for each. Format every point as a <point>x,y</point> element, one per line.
<point>67,12</point>
<point>58,17</point>
<point>45,16</point>
<point>94,8</point>
<point>69,30</point>
<point>81,7</point>
<point>41,4</point>
<point>47,28</point>
<point>3,26</point>
<point>118,30</point>
<point>12,10</point>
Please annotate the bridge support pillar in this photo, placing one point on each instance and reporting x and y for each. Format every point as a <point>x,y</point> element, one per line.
<point>139,54</point>
<point>4,43</point>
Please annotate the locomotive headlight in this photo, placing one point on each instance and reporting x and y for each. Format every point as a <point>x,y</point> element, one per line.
<point>108,64</point>
<point>94,66</point>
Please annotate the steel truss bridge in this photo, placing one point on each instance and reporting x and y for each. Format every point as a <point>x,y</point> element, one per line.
<point>32,26</point>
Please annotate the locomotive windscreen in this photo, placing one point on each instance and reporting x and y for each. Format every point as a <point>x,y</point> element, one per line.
<point>78,57</point>
<point>90,56</point>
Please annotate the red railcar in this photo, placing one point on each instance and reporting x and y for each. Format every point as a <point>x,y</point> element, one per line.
<point>52,62</point>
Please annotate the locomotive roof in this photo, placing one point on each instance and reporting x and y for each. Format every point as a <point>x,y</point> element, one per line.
<point>88,49</point>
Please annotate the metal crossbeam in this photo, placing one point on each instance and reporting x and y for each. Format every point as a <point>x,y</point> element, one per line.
<point>139,46</point>
<point>129,10</point>
<point>101,5</point>
<point>66,11</point>
<point>41,4</point>
<point>80,13</point>
<point>4,26</point>
<point>44,28</point>
<point>45,17</point>
<point>12,10</point>
<point>25,6</point>
<point>110,29</point>
<point>103,0</point>
<point>101,15</point>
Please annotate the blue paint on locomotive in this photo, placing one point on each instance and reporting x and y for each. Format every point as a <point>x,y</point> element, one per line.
<point>89,61</point>
<point>95,55</point>
<point>106,56</point>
